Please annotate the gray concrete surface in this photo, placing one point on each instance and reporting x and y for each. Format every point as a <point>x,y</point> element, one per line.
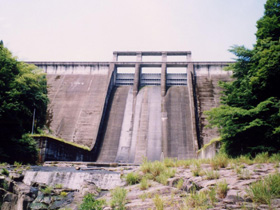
<point>179,138</point>
<point>75,108</point>
<point>113,124</point>
<point>129,124</point>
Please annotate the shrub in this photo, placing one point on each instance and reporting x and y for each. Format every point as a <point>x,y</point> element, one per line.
<point>118,198</point>
<point>132,178</point>
<point>89,203</point>
<point>222,188</point>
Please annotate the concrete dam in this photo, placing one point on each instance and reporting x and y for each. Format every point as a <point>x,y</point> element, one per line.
<point>123,111</point>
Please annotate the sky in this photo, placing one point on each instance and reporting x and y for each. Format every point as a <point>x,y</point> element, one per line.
<point>90,30</point>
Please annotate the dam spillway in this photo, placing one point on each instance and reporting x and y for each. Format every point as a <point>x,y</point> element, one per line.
<point>127,116</point>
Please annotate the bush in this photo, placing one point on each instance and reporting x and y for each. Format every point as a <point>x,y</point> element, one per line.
<point>132,178</point>
<point>89,203</point>
<point>118,198</point>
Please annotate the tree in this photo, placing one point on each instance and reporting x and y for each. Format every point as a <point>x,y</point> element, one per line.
<point>23,88</point>
<point>249,118</point>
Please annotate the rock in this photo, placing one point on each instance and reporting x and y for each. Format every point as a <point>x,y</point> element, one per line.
<point>47,200</point>
<point>9,197</point>
<point>233,197</point>
<point>40,206</point>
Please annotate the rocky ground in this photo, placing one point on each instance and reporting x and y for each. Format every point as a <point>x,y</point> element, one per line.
<point>192,187</point>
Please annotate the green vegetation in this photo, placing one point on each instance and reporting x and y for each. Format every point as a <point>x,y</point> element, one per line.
<point>196,169</point>
<point>248,119</point>
<point>144,184</point>
<point>157,170</point>
<point>5,171</point>
<point>158,202</point>
<point>179,184</point>
<point>198,200</point>
<point>222,188</point>
<point>118,198</point>
<point>63,194</point>
<point>132,178</point>
<point>265,190</point>
<point>61,140</point>
<point>58,186</point>
<point>219,161</point>
<point>47,190</point>
<point>23,89</point>
<point>89,203</point>
<point>211,174</point>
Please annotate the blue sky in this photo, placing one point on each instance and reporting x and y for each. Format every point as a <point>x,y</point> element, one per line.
<point>90,30</point>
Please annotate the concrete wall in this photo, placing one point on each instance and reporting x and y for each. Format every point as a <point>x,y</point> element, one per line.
<point>207,96</point>
<point>52,149</point>
<point>123,123</point>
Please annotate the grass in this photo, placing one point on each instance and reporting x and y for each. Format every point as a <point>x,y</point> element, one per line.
<point>197,200</point>
<point>47,190</point>
<point>63,194</point>
<point>196,169</point>
<point>222,188</point>
<point>159,171</point>
<point>244,174</point>
<point>219,161</point>
<point>89,203</point>
<point>158,201</point>
<point>118,200</point>
<point>5,171</point>
<point>180,184</point>
<point>211,174</point>
<point>265,190</point>
<point>132,178</point>
<point>144,184</point>
<point>58,186</point>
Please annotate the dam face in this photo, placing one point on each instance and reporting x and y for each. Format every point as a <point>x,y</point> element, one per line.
<point>126,111</point>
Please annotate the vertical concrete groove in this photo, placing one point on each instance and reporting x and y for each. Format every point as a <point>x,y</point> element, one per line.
<point>191,106</point>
